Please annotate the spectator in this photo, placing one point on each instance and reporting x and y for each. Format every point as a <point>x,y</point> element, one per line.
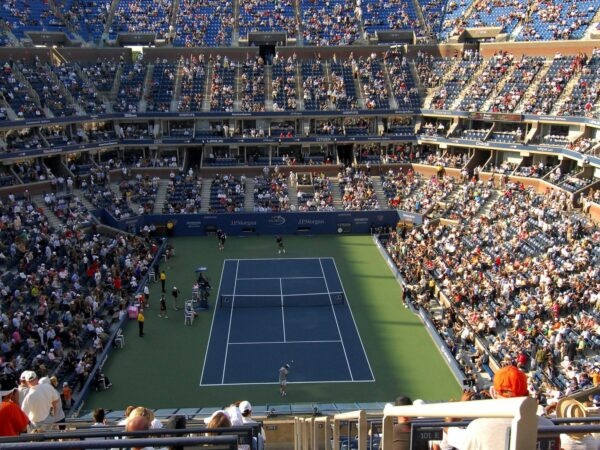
<point>13,421</point>
<point>492,434</point>
<point>41,402</point>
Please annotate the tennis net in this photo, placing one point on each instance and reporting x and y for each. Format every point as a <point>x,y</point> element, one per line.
<point>278,301</point>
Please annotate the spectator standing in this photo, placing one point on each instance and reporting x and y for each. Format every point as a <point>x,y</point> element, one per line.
<point>41,401</point>
<point>246,409</point>
<point>13,421</point>
<point>58,415</point>
<point>140,321</point>
<point>491,434</point>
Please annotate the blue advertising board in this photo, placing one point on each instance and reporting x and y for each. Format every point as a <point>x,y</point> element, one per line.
<point>333,222</point>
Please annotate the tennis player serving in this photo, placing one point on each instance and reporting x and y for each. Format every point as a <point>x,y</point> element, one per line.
<point>283,374</point>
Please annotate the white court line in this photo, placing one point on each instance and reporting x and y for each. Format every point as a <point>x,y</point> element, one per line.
<point>282,311</point>
<point>283,342</point>
<point>211,324</point>
<point>353,320</point>
<point>286,295</point>
<point>336,323</point>
<point>289,382</point>
<point>280,278</point>
<point>230,320</point>
<point>272,259</point>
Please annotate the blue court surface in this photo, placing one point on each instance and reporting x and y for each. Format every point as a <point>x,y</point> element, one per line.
<point>270,312</point>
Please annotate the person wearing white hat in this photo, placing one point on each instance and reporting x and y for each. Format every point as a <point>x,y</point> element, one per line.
<point>246,409</point>
<point>23,388</point>
<point>41,401</point>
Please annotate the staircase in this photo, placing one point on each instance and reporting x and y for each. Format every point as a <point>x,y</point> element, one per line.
<point>249,198</point>
<point>53,220</point>
<point>161,196</point>
<point>378,188</point>
<point>177,89</point>
<point>205,195</point>
<point>451,70</point>
<point>389,88</point>
<point>337,197</point>
<point>293,196</point>
<point>468,88</point>
<point>89,206</point>
<point>498,87</point>
<point>143,104</point>
<point>100,95</point>
<point>489,205</point>
<point>566,93</point>
<point>531,91</point>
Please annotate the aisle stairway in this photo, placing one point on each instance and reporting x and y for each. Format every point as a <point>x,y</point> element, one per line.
<point>337,197</point>
<point>249,198</point>
<point>53,220</point>
<point>378,188</point>
<point>293,196</point>
<point>205,194</point>
<point>161,197</point>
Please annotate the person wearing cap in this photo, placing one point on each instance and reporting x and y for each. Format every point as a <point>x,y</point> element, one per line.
<point>23,388</point>
<point>283,374</point>
<point>492,434</point>
<point>41,402</point>
<point>246,409</point>
<point>13,421</point>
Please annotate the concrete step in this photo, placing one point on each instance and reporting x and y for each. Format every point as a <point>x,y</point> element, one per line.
<point>161,196</point>
<point>205,195</point>
<point>335,191</point>
<point>249,198</point>
<point>378,188</point>
<point>53,220</point>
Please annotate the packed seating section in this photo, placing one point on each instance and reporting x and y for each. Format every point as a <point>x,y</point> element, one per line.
<point>210,23</point>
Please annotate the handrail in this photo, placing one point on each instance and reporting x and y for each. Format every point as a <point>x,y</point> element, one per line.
<point>109,344</point>
<point>229,442</point>
<point>522,410</point>
<point>119,431</point>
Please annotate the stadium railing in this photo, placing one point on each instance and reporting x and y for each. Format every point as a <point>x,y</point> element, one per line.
<point>109,344</point>
<point>211,442</point>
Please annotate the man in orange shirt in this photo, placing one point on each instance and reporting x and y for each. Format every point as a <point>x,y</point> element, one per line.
<point>13,420</point>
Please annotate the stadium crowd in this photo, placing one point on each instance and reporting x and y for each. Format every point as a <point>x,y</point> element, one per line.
<point>530,297</point>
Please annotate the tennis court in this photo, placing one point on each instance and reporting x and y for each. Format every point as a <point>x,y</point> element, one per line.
<point>274,311</point>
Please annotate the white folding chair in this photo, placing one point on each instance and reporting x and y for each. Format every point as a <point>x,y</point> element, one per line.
<point>152,275</point>
<point>120,339</point>
<point>188,317</point>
